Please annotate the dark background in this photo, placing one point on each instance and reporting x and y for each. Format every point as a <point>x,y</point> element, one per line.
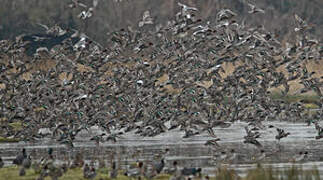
<point>21,16</point>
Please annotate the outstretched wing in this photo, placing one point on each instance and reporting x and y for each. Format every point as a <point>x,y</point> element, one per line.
<point>44,26</point>
<point>298,19</point>
<point>211,132</point>
<point>256,143</point>
<point>247,129</point>
<point>280,131</point>
<point>95,3</point>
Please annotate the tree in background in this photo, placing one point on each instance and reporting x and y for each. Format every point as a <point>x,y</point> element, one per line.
<point>22,16</point>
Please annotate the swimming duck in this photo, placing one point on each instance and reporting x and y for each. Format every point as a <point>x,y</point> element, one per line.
<point>260,157</point>
<point>191,171</point>
<point>301,156</point>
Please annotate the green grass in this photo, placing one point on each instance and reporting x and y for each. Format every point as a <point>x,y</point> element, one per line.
<point>261,173</point>
<point>293,173</point>
<point>9,173</point>
<point>309,99</point>
<point>223,173</point>
<point>8,140</point>
<point>311,106</point>
<point>16,126</point>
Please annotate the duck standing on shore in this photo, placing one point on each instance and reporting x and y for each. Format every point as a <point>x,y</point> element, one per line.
<point>20,157</point>
<point>1,162</point>
<point>114,171</point>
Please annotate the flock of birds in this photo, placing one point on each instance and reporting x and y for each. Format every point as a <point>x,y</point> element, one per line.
<point>156,79</point>
<point>48,166</point>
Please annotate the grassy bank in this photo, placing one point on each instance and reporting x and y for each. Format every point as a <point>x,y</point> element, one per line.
<point>296,98</point>
<point>72,174</point>
<point>258,173</point>
<point>8,140</point>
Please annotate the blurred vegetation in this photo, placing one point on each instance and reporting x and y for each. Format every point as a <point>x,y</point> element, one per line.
<point>22,16</point>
